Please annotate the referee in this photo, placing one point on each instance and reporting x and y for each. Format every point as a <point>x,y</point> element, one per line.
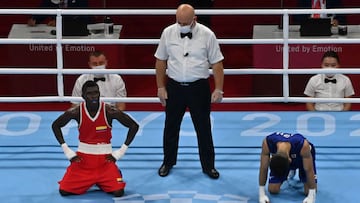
<point>187,49</point>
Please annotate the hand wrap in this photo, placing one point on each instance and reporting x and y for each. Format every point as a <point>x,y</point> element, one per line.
<point>311,196</point>
<point>117,154</point>
<point>69,153</point>
<point>262,195</point>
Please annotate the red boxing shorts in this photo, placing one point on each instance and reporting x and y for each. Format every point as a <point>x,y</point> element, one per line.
<point>92,170</point>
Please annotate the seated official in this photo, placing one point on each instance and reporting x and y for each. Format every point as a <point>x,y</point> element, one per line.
<point>111,85</point>
<point>329,85</point>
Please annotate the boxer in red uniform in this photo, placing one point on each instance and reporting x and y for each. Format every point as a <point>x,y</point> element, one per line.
<point>94,161</point>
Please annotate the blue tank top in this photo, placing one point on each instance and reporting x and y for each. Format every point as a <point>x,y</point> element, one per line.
<point>296,141</point>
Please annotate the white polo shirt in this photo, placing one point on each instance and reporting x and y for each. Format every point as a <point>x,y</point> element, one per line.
<point>188,59</point>
<point>316,87</point>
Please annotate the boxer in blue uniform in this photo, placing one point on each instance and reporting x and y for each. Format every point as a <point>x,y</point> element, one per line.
<point>282,152</point>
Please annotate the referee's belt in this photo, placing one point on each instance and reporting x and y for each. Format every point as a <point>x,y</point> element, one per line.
<point>186,83</point>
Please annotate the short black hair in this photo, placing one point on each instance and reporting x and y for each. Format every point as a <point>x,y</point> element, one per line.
<point>331,54</point>
<point>96,53</point>
<point>87,84</point>
<point>279,165</point>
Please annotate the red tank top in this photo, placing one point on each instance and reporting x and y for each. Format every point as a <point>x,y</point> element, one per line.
<point>94,130</point>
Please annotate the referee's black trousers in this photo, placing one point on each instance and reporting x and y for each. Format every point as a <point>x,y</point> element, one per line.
<point>195,96</point>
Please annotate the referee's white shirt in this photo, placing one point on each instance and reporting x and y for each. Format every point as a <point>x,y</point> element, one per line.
<point>316,87</point>
<point>188,59</point>
<point>113,86</point>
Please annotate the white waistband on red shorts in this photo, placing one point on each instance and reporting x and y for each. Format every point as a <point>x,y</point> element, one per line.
<point>94,148</point>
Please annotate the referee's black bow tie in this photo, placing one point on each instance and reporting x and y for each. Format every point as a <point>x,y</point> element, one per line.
<point>330,80</point>
<point>99,79</point>
<point>189,35</point>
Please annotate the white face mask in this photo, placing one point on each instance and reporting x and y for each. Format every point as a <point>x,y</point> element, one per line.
<point>99,67</point>
<point>329,75</point>
<point>186,28</point>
